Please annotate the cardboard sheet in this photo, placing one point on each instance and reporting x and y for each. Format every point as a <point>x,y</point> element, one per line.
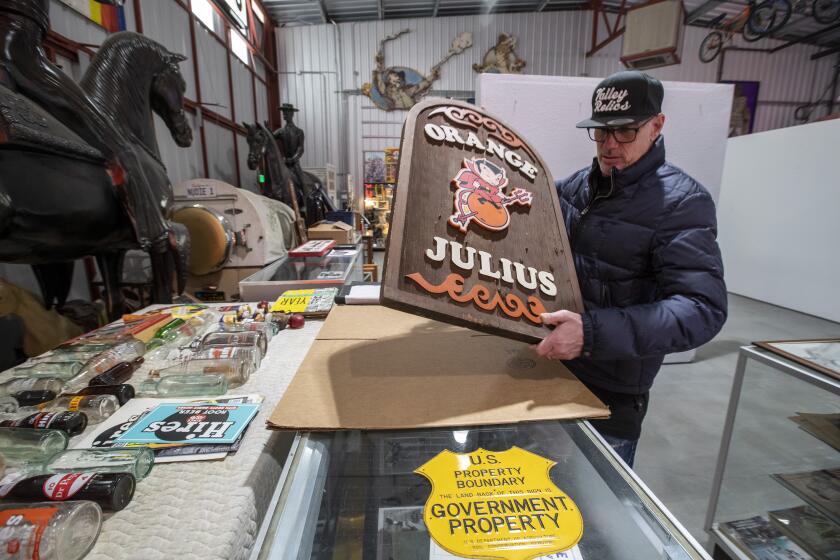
<point>377,368</point>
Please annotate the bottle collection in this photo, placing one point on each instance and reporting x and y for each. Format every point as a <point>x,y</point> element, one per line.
<point>52,497</point>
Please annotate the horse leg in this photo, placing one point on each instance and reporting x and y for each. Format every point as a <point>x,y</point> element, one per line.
<point>180,242</point>
<point>162,271</point>
<point>54,280</point>
<point>110,268</point>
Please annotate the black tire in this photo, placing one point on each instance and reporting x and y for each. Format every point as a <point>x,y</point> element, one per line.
<point>711,46</point>
<point>769,16</point>
<point>748,35</point>
<point>826,11</point>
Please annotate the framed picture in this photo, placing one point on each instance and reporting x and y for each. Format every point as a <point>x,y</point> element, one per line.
<point>374,167</point>
<point>822,355</point>
<point>744,102</point>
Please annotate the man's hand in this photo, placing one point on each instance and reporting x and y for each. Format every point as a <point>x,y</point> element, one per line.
<point>565,342</point>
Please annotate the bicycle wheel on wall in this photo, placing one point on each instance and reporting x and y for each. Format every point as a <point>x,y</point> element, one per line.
<point>748,34</point>
<point>826,11</point>
<point>769,16</point>
<point>711,46</point>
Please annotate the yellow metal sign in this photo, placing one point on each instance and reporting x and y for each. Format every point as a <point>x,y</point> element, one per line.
<point>489,504</point>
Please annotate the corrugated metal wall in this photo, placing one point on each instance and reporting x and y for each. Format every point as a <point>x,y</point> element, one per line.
<point>313,59</point>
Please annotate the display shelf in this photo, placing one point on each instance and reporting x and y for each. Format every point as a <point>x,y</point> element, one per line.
<point>761,439</point>
<point>292,273</point>
<point>342,485</point>
<point>378,201</point>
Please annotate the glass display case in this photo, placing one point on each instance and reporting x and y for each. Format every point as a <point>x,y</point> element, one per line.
<point>776,490</point>
<point>340,266</point>
<point>354,494</point>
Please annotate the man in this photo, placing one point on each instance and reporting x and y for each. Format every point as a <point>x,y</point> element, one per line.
<point>643,236</point>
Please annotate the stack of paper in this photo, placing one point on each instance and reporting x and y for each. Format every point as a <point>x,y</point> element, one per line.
<point>177,429</point>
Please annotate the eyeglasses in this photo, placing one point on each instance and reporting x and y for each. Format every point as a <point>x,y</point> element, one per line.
<point>622,135</point>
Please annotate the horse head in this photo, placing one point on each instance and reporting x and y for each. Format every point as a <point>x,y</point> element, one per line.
<point>133,76</point>
<point>257,144</point>
<point>167,97</point>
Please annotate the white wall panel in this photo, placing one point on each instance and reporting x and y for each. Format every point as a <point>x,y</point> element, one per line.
<point>221,160</point>
<point>777,218</point>
<point>181,163</point>
<point>262,102</point>
<point>213,74</point>
<point>70,23</point>
<point>130,19</point>
<point>168,23</point>
<point>243,91</point>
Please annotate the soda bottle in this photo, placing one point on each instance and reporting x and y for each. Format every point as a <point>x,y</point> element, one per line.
<point>112,491</point>
<point>49,530</point>
<point>33,384</point>
<point>124,392</point>
<point>31,446</point>
<point>194,385</point>
<point>135,460</point>
<point>72,423</point>
<point>96,407</point>
<point>62,370</point>
<point>120,373</point>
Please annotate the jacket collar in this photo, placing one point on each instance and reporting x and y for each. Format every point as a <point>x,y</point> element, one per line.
<point>630,176</point>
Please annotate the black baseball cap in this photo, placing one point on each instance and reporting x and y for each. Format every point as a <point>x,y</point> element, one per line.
<point>624,98</point>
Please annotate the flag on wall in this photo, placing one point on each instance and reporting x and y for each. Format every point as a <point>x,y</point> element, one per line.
<point>111,18</point>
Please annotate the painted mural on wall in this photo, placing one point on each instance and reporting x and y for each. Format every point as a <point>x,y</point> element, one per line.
<point>502,58</point>
<point>398,87</point>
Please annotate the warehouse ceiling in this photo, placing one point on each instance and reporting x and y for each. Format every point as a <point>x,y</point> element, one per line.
<point>699,12</point>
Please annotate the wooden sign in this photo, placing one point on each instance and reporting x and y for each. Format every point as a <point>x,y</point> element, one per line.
<point>477,236</point>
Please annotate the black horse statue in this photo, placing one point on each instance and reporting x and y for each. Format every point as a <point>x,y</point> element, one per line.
<point>61,198</point>
<point>312,199</point>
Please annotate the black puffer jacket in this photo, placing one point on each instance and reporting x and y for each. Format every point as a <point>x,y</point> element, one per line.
<point>649,269</point>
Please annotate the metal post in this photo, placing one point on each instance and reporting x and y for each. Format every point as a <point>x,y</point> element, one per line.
<point>728,426</point>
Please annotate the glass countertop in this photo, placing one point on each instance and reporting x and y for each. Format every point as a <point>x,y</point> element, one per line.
<point>354,494</point>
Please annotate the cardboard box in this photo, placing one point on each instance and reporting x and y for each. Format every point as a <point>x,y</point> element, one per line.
<point>377,368</point>
<point>337,231</point>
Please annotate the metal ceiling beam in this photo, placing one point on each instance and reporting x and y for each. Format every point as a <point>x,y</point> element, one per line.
<point>806,38</point>
<point>323,8</point>
<point>436,8</point>
<point>832,50</point>
<point>542,5</point>
<point>700,10</point>
<point>381,9</point>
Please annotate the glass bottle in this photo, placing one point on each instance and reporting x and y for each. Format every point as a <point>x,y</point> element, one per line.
<point>237,370</point>
<point>199,385</point>
<point>175,332</point>
<point>266,327</point>
<point>119,373</point>
<point>250,354</point>
<point>34,398</point>
<point>112,491</point>
<point>250,339</point>
<point>124,392</point>
<point>73,423</point>
<point>96,407</point>
<point>25,445</point>
<point>135,460</point>
<point>8,405</point>
<point>33,384</point>
<point>50,530</point>
<point>58,369</point>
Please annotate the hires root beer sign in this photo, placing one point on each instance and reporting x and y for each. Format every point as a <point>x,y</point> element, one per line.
<point>477,235</point>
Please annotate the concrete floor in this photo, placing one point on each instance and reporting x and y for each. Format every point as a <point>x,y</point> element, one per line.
<point>677,453</point>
